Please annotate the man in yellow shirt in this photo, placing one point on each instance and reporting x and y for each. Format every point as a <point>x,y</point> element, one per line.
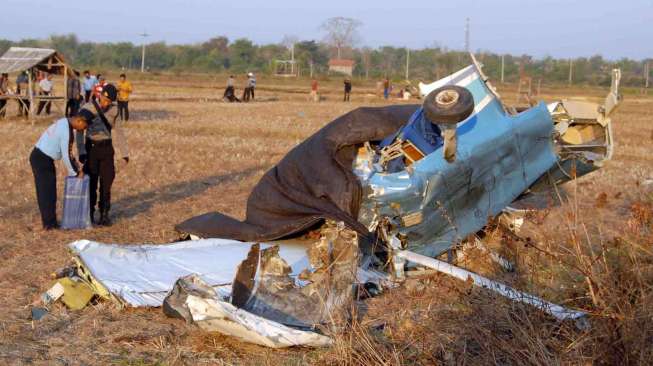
<point>124,89</point>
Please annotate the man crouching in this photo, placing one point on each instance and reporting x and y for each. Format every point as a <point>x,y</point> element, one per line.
<point>97,153</point>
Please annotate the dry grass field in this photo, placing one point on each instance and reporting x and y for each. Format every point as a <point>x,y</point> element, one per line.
<point>192,153</point>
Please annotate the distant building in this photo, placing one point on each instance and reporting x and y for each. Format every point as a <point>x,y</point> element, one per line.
<point>341,66</point>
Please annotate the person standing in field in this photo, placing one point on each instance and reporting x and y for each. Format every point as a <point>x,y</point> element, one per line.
<point>73,95</point>
<point>124,90</point>
<point>4,90</point>
<point>89,83</point>
<point>45,86</point>
<point>246,93</point>
<point>314,95</point>
<point>230,92</point>
<point>251,84</point>
<point>386,88</point>
<point>97,88</point>
<point>347,89</point>
<point>55,144</point>
<point>96,150</point>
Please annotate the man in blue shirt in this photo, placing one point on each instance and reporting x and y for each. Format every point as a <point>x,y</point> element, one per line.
<point>55,144</point>
<point>89,83</point>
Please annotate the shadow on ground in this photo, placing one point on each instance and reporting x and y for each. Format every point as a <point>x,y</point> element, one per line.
<point>150,114</point>
<point>130,206</point>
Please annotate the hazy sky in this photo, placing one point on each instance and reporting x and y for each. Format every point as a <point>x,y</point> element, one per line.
<point>558,28</point>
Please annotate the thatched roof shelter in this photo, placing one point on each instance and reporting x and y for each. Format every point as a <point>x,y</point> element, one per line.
<point>33,60</point>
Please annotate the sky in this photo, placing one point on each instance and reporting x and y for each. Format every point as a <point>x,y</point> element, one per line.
<point>558,28</point>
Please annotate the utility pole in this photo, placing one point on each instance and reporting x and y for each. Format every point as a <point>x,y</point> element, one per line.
<point>647,71</point>
<point>144,35</point>
<point>292,58</point>
<point>467,47</point>
<point>571,67</point>
<point>407,61</point>
<point>503,65</point>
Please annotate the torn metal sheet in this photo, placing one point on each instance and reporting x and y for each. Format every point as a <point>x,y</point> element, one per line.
<point>174,305</point>
<point>142,275</point>
<point>197,302</point>
<point>583,138</point>
<point>263,284</point>
<point>223,317</point>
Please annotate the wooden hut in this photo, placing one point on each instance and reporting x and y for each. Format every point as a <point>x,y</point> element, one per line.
<point>32,61</point>
<point>341,66</point>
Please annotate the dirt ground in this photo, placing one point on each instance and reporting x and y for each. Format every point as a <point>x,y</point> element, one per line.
<point>191,153</point>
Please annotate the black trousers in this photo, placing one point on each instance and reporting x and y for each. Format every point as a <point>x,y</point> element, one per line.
<point>87,96</point>
<point>123,110</point>
<point>72,107</point>
<point>45,180</point>
<point>230,94</point>
<point>3,103</point>
<point>44,103</point>
<point>100,169</point>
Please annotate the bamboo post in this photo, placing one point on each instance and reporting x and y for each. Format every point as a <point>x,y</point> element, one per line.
<point>65,88</point>
<point>30,95</point>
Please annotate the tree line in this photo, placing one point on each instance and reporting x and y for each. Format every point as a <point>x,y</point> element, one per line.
<point>219,54</point>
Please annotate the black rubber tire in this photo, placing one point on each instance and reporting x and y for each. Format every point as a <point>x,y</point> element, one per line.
<point>449,104</point>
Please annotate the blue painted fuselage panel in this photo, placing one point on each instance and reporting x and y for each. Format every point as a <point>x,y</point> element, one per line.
<point>498,157</point>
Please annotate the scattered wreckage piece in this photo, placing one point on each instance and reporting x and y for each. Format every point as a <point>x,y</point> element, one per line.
<point>583,136</point>
<point>197,302</point>
<point>255,291</point>
<point>142,275</point>
<point>324,290</point>
<point>557,311</point>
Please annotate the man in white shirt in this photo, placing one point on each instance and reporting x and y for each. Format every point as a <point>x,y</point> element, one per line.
<point>55,144</point>
<point>45,87</point>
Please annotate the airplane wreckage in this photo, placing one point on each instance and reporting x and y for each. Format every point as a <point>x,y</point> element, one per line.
<point>380,192</point>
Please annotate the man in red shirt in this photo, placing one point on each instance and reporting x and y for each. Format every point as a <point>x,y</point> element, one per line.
<point>97,88</point>
<point>314,95</point>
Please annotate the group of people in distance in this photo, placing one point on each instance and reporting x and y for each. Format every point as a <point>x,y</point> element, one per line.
<point>44,88</point>
<point>77,92</point>
<point>384,85</point>
<point>248,91</point>
<point>91,86</point>
<point>94,129</point>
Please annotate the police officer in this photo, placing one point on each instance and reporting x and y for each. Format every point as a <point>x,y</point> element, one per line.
<point>96,150</point>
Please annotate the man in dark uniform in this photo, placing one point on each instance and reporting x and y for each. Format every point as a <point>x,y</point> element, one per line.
<point>347,89</point>
<point>96,150</point>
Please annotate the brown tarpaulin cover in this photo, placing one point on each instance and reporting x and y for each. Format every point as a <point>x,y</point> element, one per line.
<point>314,181</point>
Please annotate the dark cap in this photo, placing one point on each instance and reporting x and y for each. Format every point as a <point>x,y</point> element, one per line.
<point>110,92</point>
<point>86,114</point>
